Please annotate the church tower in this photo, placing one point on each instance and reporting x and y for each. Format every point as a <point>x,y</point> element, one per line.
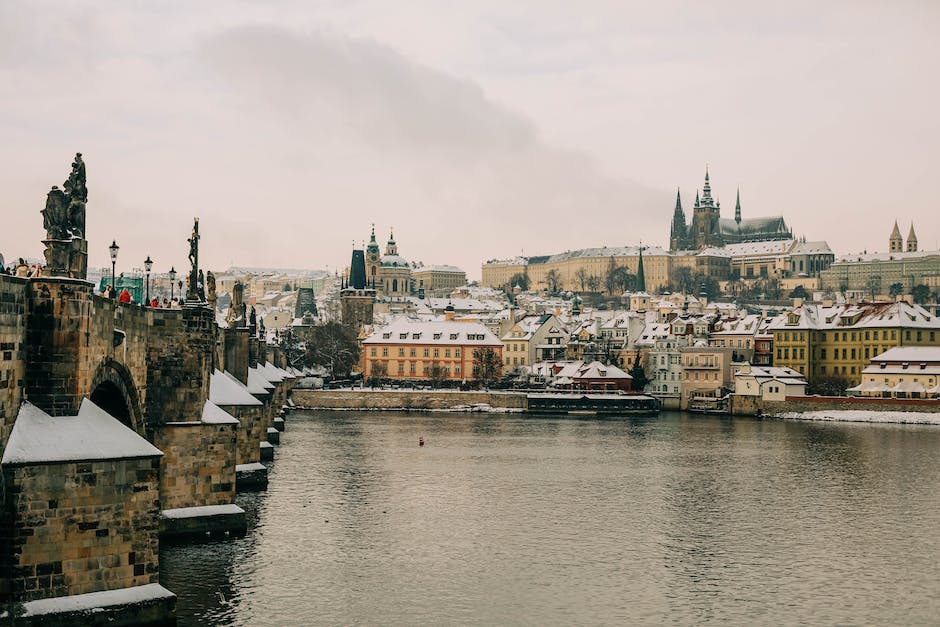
<point>895,243</point>
<point>678,234</point>
<point>705,230</point>
<point>373,260</point>
<point>911,240</point>
<point>737,209</point>
<point>391,248</point>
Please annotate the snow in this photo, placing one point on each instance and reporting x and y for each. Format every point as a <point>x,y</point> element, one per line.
<point>93,434</point>
<point>267,445</point>
<point>203,511</point>
<point>225,389</point>
<point>214,415</point>
<point>255,467</point>
<point>863,415</point>
<point>95,600</point>
<point>272,429</point>
<point>257,382</point>
<point>271,372</point>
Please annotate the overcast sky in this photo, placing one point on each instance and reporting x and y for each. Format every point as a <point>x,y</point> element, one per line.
<point>475,129</point>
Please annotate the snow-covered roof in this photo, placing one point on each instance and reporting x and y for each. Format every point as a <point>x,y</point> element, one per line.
<point>899,256</point>
<point>257,382</point>
<point>597,370</point>
<point>225,389</point>
<point>404,330</point>
<point>748,249</point>
<point>910,354</point>
<point>212,414</point>
<point>860,316</point>
<point>93,434</point>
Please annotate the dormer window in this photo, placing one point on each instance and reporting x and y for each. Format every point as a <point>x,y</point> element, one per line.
<point>386,336</point>
<point>453,336</point>
<point>437,336</point>
<point>402,336</point>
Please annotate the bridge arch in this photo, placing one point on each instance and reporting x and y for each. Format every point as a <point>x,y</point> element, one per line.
<point>113,390</point>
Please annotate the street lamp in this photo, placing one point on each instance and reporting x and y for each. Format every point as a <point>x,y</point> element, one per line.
<point>148,264</point>
<point>114,248</point>
<point>172,275</point>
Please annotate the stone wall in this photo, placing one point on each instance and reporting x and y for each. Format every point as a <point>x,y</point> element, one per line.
<point>817,403</point>
<point>235,353</point>
<point>12,351</point>
<point>81,527</point>
<point>404,399</point>
<point>198,464</point>
<point>180,357</point>
<point>251,431</point>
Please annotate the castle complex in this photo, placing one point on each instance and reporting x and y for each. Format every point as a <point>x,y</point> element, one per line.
<point>708,228</point>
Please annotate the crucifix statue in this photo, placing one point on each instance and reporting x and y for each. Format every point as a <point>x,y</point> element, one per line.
<point>192,293</point>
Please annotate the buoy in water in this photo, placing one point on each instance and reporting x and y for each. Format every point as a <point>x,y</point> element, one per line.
<point>420,441</point>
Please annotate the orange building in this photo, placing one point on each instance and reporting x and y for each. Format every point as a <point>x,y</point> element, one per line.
<point>419,350</point>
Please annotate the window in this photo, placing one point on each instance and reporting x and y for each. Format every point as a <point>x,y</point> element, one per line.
<point>372,352</point>
<point>385,351</point>
<point>412,368</point>
<point>413,352</point>
<point>425,352</point>
<point>401,367</point>
<point>401,352</point>
<point>437,352</point>
<point>446,352</point>
<point>456,352</point>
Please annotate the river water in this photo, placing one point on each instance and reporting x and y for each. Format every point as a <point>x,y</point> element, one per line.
<point>503,519</point>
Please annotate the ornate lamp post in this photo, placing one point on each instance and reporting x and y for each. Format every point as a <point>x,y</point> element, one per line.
<point>148,264</point>
<point>113,248</point>
<point>172,275</point>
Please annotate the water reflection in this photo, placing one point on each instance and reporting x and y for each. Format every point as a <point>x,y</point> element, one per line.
<point>510,519</point>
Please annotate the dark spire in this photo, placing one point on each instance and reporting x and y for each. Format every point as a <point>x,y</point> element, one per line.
<point>678,232</point>
<point>640,275</point>
<point>357,270</point>
<point>707,190</point>
<point>737,208</point>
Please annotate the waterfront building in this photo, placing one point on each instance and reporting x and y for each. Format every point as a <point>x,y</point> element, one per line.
<point>836,342</point>
<point>706,372</point>
<point>664,364</point>
<point>902,372</point>
<point>410,349</point>
<point>533,338</point>
<point>768,383</point>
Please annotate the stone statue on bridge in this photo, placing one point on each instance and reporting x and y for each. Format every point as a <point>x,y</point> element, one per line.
<point>211,297</point>
<point>64,215</point>
<point>193,292</point>
<point>235,318</point>
<point>64,220</point>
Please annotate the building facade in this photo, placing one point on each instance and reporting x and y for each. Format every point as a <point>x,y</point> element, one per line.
<point>408,349</point>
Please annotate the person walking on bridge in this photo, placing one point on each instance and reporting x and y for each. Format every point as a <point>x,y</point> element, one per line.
<point>125,296</point>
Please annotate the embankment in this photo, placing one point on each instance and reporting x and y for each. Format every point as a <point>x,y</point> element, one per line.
<point>406,399</point>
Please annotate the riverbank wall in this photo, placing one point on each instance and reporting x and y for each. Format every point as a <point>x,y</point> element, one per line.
<point>800,404</point>
<point>422,400</point>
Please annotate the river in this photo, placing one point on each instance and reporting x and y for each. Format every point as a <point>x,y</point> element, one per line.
<point>510,519</point>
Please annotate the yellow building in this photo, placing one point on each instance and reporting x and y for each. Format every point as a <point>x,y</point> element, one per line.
<point>419,350</point>
<point>438,280</point>
<point>837,342</point>
<point>902,372</point>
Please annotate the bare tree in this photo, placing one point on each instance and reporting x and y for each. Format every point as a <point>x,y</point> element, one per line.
<point>333,346</point>
<point>553,278</point>
<point>487,365</point>
<point>581,275</point>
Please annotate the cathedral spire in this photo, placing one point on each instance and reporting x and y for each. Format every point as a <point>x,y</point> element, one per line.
<point>707,190</point>
<point>737,208</point>
<point>640,275</point>
<point>895,243</point>
<point>911,240</point>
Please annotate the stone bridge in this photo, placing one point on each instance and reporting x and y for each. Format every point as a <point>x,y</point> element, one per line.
<point>120,424</point>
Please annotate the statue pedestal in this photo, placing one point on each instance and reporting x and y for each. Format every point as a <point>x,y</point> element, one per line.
<point>66,258</point>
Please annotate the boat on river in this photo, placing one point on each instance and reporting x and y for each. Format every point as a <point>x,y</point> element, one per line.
<point>593,403</point>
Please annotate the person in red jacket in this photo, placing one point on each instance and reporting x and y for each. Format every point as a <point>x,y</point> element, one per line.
<point>125,296</point>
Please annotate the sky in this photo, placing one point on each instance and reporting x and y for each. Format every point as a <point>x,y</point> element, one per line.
<point>477,130</point>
